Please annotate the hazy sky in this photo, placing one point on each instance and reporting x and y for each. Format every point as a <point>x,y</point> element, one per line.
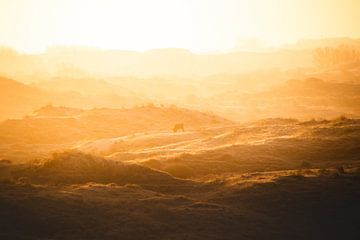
<point>198,25</point>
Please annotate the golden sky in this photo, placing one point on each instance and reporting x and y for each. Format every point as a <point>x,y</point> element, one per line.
<point>198,25</point>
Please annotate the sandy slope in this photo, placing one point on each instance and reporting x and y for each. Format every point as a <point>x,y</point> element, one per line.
<point>261,146</point>
<point>56,125</point>
<point>271,179</point>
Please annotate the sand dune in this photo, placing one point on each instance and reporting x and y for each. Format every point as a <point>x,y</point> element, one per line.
<point>179,120</point>
<point>213,181</point>
<point>272,144</point>
<point>62,125</point>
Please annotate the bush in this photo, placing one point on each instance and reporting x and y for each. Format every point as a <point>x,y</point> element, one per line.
<point>330,57</point>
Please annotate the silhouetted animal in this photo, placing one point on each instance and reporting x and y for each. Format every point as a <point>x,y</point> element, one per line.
<point>178,126</point>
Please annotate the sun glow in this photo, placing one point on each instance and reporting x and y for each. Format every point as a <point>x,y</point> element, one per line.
<point>201,25</point>
<point>179,119</point>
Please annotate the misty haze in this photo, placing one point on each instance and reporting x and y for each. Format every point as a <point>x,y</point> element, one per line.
<point>179,119</point>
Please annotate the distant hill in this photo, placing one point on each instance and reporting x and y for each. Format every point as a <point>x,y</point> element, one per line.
<point>63,125</point>
<point>174,61</point>
<point>87,62</point>
<point>17,99</point>
<point>85,86</point>
<point>301,99</point>
<point>324,42</point>
<point>84,62</point>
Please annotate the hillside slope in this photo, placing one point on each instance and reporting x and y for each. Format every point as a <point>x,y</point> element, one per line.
<point>17,99</point>
<point>61,125</point>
